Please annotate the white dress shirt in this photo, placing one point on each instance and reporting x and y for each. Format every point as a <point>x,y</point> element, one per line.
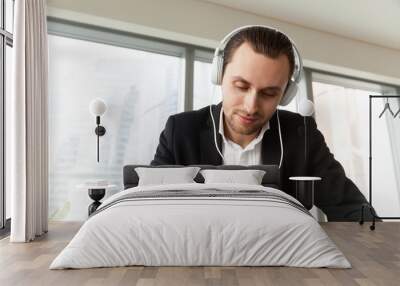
<point>234,154</point>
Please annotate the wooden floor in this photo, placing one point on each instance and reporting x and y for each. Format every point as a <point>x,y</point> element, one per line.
<point>374,255</point>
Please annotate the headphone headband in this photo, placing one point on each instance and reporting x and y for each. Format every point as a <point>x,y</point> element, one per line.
<point>298,63</point>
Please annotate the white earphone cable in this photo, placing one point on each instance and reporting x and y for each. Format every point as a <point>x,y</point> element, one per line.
<point>280,137</point>
<point>214,127</point>
<point>215,134</point>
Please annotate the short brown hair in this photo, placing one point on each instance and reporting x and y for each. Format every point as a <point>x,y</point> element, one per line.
<point>263,40</point>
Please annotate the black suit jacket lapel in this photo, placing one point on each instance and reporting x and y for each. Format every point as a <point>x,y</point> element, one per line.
<point>208,151</point>
<point>271,150</point>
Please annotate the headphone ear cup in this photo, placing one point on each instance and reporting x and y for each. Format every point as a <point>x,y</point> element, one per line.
<point>216,70</point>
<point>290,93</point>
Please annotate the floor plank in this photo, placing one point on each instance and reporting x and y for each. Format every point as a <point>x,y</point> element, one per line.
<point>374,255</point>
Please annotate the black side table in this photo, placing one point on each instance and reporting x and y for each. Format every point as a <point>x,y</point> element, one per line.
<point>305,190</point>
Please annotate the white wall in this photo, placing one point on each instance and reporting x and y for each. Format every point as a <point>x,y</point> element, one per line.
<point>203,23</point>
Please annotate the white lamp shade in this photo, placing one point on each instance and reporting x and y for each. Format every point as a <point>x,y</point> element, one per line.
<point>97,107</point>
<point>306,108</point>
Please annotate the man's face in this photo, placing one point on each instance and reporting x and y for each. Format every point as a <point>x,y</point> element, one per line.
<point>252,86</point>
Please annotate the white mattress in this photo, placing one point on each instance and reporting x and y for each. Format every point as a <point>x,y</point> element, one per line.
<point>200,231</point>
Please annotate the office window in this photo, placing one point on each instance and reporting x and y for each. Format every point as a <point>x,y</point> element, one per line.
<point>342,115</point>
<point>141,89</point>
<point>204,92</point>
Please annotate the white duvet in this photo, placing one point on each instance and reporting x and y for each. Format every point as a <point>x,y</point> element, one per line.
<point>200,231</point>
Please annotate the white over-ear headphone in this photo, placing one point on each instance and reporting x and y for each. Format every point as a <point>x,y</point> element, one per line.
<point>305,106</point>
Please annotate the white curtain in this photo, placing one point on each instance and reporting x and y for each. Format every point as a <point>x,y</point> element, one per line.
<point>27,160</point>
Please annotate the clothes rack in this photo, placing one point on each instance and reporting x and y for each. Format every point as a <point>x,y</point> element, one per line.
<point>369,204</point>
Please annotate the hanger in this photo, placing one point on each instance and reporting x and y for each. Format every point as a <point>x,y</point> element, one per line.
<point>387,107</point>
<point>398,111</point>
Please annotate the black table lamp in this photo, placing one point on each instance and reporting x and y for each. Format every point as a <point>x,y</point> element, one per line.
<point>98,107</point>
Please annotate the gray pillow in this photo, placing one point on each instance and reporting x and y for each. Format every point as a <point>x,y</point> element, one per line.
<point>162,176</point>
<point>248,177</point>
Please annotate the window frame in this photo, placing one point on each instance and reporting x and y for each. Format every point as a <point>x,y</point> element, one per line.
<point>363,84</point>
<point>189,53</point>
<point>6,39</point>
<point>344,80</point>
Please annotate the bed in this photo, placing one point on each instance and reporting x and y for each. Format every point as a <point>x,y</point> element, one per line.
<point>201,224</point>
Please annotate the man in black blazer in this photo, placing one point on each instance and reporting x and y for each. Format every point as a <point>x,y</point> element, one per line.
<point>254,81</point>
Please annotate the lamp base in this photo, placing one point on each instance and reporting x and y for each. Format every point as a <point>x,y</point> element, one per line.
<point>96,195</point>
<point>100,130</point>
